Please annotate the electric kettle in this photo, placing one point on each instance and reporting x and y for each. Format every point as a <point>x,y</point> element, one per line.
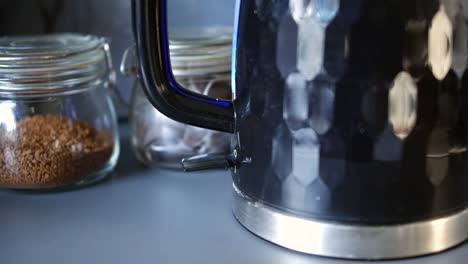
<point>349,121</point>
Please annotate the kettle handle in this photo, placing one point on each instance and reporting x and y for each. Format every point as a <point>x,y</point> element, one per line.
<point>171,99</point>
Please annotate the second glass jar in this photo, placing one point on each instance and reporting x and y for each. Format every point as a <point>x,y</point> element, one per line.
<point>201,62</point>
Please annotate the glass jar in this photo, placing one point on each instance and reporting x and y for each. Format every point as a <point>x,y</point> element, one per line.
<point>201,62</point>
<point>58,128</point>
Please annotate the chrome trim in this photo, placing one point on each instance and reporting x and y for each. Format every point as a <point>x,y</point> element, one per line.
<point>333,239</point>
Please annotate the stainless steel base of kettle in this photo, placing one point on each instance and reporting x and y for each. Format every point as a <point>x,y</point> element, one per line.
<point>333,239</point>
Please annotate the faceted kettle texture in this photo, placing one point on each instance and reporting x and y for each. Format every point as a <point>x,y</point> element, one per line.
<point>353,110</point>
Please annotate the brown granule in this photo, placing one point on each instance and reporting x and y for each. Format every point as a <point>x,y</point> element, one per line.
<point>49,150</point>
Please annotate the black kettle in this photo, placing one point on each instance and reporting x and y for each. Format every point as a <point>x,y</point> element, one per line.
<point>349,121</point>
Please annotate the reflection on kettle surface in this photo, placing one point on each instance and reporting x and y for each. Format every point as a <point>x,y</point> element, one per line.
<point>323,11</point>
<point>282,152</point>
<point>388,146</point>
<point>415,49</point>
<point>402,104</point>
<point>310,47</point>
<point>312,18</point>
<point>437,169</point>
<point>322,105</point>
<point>305,156</point>
<point>460,45</point>
<point>296,101</point>
<point>440,44</point>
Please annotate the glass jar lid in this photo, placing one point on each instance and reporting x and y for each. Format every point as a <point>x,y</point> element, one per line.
<point>52,63</point>
<point>199,51</point>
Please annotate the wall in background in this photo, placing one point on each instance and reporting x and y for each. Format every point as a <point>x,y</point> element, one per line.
<point>109,18</point>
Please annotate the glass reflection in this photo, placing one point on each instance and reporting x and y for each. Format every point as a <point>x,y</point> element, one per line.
<point>7,115</point>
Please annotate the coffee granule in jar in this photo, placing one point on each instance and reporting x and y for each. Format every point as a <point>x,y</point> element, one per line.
<point>49,150</point>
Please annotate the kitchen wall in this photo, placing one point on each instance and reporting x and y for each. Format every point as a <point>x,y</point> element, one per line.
<point>110,18</point>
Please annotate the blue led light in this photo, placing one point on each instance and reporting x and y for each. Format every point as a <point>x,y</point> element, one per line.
<point>234,46</point>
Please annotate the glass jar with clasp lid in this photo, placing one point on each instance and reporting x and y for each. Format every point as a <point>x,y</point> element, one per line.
<point>201,60</point>
<point>58,127</point>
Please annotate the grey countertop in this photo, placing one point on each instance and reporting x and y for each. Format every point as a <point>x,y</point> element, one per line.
<point>144,215</point>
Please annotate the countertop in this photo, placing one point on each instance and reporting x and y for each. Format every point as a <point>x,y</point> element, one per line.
<point>142,215</point>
